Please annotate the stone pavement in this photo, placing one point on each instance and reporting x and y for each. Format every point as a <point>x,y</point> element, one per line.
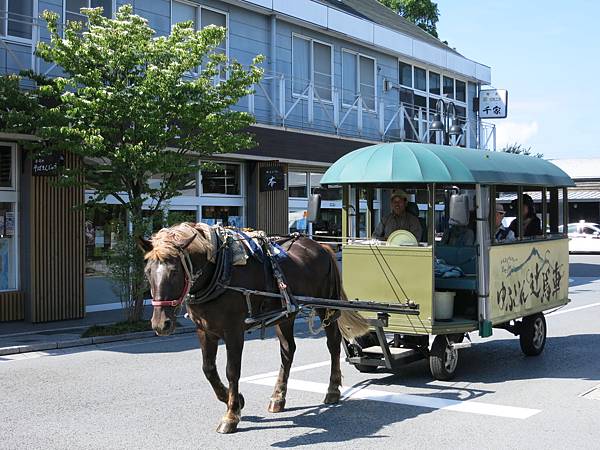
<point>22,337</point>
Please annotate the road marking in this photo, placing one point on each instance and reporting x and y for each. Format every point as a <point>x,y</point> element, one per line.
<point>466,406</point>
<point>579,308</point>
<point>293,369</point>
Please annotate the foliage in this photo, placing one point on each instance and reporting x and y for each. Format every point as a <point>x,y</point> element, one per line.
<point>133,105</point>
<point>518,149</point>
<point>423,13</point>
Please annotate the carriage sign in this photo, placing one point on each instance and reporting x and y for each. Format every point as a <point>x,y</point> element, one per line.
<point>493,103</point>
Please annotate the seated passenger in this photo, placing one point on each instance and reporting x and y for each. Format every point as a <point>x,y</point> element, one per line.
<point>502,234</point>
<point>398,219</point>
<point>460,233</point>
<point>532,226</point>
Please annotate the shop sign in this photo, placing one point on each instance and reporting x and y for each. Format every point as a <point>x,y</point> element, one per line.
<point>272,178</point>
<point>47,165</point>
<point>493,103</point>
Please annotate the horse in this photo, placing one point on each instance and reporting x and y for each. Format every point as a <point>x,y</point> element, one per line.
<point>181,260</point>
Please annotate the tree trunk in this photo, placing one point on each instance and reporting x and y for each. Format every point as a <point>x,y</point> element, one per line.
<point>137,280</point>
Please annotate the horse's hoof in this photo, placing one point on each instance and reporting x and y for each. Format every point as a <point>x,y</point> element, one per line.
<point>276,406</point>
<point>332,398</point>
<point>227,427</point>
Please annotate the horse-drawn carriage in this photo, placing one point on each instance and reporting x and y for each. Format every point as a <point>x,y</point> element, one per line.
<point>406,288</point>
<point>494,284</point>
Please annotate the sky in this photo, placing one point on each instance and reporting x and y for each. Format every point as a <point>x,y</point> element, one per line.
<point>547,55</point>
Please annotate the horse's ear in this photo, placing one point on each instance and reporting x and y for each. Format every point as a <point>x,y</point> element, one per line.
<point>185,243</point>
<point>144,244</point>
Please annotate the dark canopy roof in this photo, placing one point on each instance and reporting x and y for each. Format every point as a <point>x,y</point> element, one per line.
<point>406,162</point>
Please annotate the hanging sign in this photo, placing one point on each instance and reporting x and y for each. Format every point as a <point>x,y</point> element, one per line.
<point>493,103</point>
<point>272,178</point>
<point>47,165</point>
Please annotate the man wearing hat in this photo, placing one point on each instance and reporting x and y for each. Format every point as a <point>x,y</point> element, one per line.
<point>398,219</point>
<point>503,234</point>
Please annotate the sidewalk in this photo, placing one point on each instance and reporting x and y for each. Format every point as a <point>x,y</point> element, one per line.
<point>22,337</point>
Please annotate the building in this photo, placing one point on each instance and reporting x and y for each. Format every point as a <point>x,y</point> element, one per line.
<point>340,74</point>
<point>584,198</point>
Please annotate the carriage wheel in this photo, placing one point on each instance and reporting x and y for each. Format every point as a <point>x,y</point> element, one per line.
<point>443,359</point>
<point>533,334</point>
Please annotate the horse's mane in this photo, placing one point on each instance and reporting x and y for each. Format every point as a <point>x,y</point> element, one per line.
<point>166,241</point>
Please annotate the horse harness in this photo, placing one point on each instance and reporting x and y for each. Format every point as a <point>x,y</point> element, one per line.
<point>221,278</point>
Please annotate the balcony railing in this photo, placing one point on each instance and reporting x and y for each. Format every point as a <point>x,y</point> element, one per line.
<point>283,101</point>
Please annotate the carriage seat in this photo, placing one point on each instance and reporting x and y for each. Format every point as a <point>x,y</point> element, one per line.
<point>464,257</point>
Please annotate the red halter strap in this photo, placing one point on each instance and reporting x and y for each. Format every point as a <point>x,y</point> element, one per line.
<point>187,267</point>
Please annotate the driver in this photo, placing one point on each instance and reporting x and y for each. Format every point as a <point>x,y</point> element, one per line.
<point>398,219</point>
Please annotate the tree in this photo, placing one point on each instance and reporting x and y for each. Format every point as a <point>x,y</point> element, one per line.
<point>138,105</point>
<point>518,149</point>
<point>423,13</point>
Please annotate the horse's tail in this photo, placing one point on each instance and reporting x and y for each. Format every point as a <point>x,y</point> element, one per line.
<point>350,323</point>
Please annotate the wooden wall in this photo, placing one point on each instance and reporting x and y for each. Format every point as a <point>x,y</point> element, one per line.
<point>57,250</point>
<point>11,306</point>
<point>272,206</point>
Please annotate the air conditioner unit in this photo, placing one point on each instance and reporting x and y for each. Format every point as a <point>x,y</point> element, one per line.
<point>388,85</point>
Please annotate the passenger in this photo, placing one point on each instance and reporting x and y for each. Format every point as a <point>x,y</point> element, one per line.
<point>532,225</point>
<point>398,219</point>
<point>503,234</point>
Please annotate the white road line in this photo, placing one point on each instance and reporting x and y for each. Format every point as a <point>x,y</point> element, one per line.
<point>579,308</point>
<point>466,406</point>
<point>293,369</point>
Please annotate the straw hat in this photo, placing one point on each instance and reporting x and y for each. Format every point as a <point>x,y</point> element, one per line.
<point>399,193</point>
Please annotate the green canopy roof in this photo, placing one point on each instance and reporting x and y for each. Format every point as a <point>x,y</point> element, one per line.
<point>405,162</point>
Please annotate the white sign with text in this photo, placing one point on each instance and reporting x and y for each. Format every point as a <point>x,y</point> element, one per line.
<point>493,103</point>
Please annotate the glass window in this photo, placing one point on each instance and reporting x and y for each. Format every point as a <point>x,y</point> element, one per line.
<point>178,216</point>
<point>434,83</point>
<point>225,180</point>
<point>420,79</point>
<point>461,91</point>
<point>210,17</point>
<point>349,78</point>
<point>404,74</point>
<point>182,12</point>
<point>73,8</point>
<point>189,188</point>
<point>6,166</point>
<point>105,225</point>
<point>297,221</point>
<point>297,184</point>
<point>20,18</point>
<point>8,253</point>
<point>330,193</point>
<point>300,65</point>
<point>449,87</point>
<point>228,216</point>
<point>322,69</point>
<point>367,81</point>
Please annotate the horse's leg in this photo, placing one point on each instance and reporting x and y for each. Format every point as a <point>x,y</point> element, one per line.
<point>209,344</point>
<point>234,343</point>
<point>334,343</point>
<point>287,347</point>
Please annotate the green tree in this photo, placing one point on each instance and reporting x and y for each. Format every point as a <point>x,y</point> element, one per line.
<point>423,13</point>
<point>133,105</point>
<point>518,149</point>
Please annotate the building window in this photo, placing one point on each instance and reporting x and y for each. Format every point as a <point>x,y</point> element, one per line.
<point>405,74</point>
<point>8,218</point>
<point>223,181</point>
<point>420,79</point>
<point>189,189</point>
<point>312,62</point>
<point>16,18</point>
<point>434,83</point>
<point>228,216</point>
<point>448,87</point>
<point>184,12</point>
<point>298,184</point>
<point>358,77</point>
<point>73,8</point>
<point>461,91</point>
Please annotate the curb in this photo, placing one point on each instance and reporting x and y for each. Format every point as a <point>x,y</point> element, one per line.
<point>41,346</point>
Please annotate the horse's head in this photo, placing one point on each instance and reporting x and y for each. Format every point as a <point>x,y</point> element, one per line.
<point>172,257</point>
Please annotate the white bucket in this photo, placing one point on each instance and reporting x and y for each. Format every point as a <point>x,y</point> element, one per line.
<point>444,305</point>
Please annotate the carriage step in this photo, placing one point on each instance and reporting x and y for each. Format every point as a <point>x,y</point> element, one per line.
<point>397,354</point>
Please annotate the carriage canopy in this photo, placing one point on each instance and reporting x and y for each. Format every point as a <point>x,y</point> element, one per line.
<point>405,162</point>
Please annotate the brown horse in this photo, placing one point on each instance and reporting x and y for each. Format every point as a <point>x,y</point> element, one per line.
<point>310,270</point>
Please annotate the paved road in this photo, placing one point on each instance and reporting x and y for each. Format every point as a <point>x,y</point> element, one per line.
<point>151,394</point>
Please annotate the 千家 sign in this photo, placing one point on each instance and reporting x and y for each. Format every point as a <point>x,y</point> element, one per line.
<point>493,103</point>
<point>47,165</point>
<point>272,178</point>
